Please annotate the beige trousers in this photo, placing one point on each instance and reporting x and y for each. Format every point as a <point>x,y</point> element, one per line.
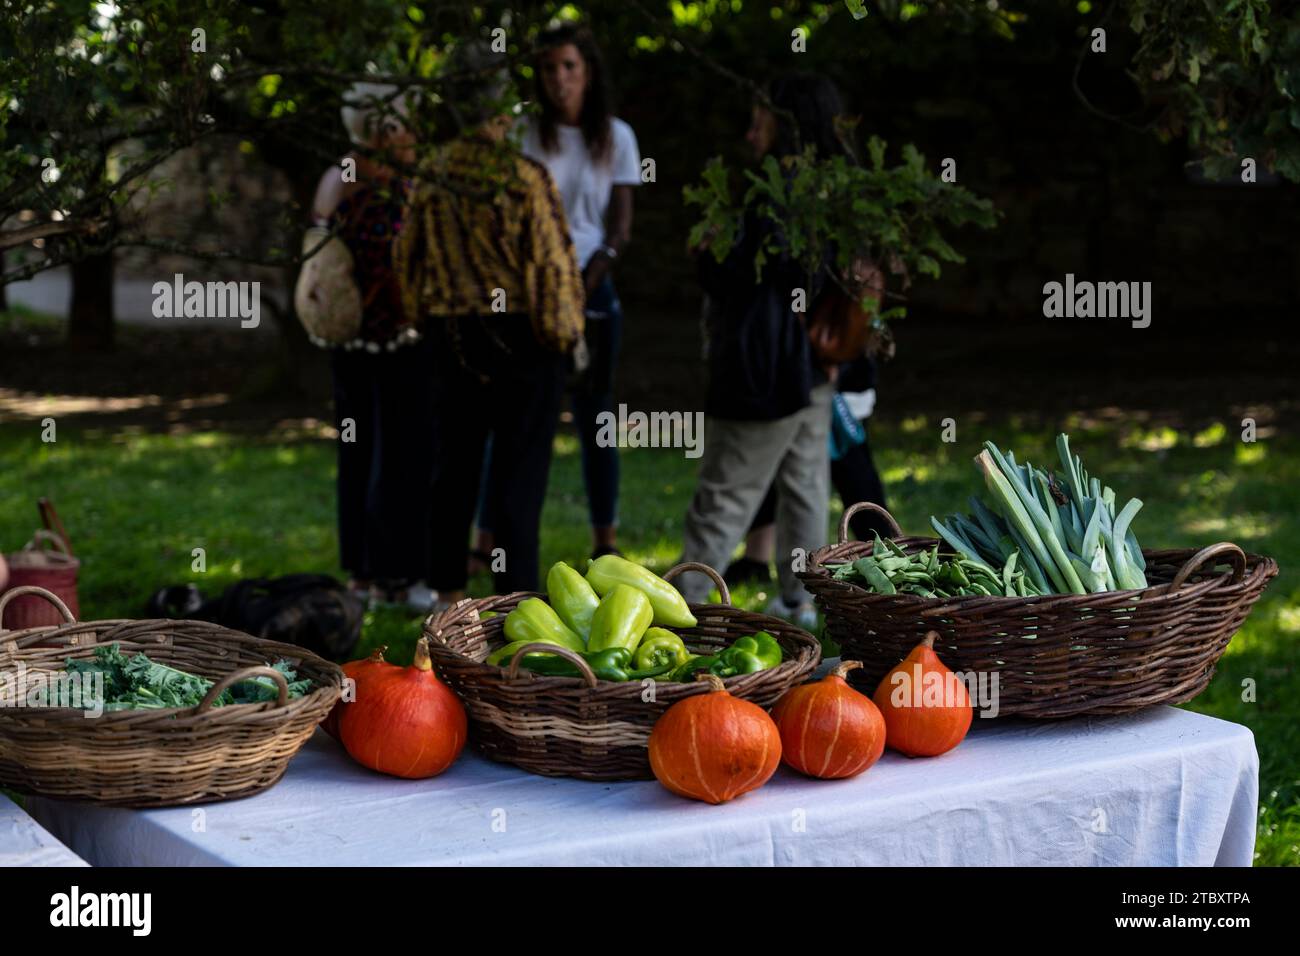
<point>741,461</point>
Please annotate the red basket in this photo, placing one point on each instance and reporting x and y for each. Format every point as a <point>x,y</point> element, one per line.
<point>46,562</point>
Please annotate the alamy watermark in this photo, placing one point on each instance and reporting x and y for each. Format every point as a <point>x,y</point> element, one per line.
<point>31,687</point>
<point>1098,300</point>
<point>651,430</point>
<point>179,299</point>
<point>74,908</point>
<point>917,688</point>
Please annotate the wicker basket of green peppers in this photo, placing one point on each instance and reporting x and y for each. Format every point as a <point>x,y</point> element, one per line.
<point>570,683</point>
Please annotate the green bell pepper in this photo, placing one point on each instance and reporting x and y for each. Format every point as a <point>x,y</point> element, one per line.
<point>612,664</point>
<point>620,620</point>
<point>748,655</point>
<point>686,672</point>
<point>670,608</point>
<point>661,671</point>
<point>501,656</point>
<point>535,620</point>
<point>660,647</point>
<point>572,597</point>
<point>745,655</point>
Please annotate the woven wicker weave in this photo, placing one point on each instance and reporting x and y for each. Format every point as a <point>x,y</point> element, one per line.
<point>1057,655</point>
<point>156,758</point>
<point>593,730</point>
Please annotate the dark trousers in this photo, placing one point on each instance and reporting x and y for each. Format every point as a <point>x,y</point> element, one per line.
<point>383,402</point>
<point>855,479</point>
<point>590,393</point>
<point>511,391</point>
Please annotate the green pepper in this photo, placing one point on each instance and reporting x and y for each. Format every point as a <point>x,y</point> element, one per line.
<point>535,620</point>
<point>660,671</point>
<point>620,620</point>
<point>501,656</point>
<point>572,598</point>
<point>661,647</point>
<point>610,664</point>
<point>748,655</point>
<point>686,671</point>
<point>670,608</point>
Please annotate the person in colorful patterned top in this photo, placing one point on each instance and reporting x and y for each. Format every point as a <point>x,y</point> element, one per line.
<point>382,388</point>
<point>594,159</point>
<point>485,261</point>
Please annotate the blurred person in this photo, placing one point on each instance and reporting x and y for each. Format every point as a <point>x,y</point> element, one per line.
<point>768,404</point>
<point>593,157</point>
<point>486,260</point>
<point>853,475</point>
<point>382,394</point>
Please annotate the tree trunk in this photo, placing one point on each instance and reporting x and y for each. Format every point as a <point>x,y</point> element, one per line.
<point>90,320</point>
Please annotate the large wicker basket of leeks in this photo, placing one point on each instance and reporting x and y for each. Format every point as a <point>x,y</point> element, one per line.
<point>1041,596</point>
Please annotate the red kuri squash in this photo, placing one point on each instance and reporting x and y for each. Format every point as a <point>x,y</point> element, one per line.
<point>356,671</point>
<point>828,729</point>
<point>714,747</point>
<point>405,722</point>
<point>927,710</point>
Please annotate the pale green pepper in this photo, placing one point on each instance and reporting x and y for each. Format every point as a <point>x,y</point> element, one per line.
<point>620,620</point>
<point>659,647</point>
<point>534,620</point>
<point>572,597</point>
<point>670,608</point>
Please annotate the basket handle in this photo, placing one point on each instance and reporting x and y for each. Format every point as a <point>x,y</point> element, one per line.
<point>243,675</point>
<point>50,518</point>
<point>713,575</point>
<point>44,534</point>
<point>512,672</point>
<point>39,592</point>
<point>851,510</point>
<point>1227,549</point>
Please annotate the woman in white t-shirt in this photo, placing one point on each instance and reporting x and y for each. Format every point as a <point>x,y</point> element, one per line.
<point>592,155</point>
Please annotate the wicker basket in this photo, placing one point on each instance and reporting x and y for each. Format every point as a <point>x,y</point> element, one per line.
<point>581,727</point>
<point>1057,655</point>
<point>53,569</point>
<point>156,758</point>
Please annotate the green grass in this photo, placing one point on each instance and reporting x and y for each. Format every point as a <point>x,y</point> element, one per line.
<point>138,504</point>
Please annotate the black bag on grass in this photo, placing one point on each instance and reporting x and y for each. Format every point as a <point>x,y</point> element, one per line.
<point>314,611</point>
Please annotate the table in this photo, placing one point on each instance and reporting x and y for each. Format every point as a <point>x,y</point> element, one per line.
<point>24,842</point>
<point>1163,787</point>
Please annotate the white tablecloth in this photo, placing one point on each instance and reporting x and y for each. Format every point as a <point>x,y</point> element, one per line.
<point>24,842</point>
<point>1164,787</point>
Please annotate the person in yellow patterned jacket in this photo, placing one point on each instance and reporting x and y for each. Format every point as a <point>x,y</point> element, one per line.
<point>485,260</point>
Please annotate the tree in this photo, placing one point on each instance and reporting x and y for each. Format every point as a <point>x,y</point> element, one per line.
<point>95,96</point>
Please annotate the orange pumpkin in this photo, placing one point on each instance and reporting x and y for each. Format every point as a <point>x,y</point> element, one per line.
<point>714,747</point>
<point>926,708</point>
<point>405,722</point>
<point>357,671</point>
<point>828,729</point>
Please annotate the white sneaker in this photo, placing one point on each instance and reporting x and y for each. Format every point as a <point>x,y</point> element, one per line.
<point>800,615</point>
<point>419,597</point>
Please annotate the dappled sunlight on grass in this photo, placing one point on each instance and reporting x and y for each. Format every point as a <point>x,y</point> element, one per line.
<point>909,471</point>
<point>1243,526</point>
<point>1150,439</point>
<point>1250,454</point>
<point>1207,487</point>
<point>1209,437</point>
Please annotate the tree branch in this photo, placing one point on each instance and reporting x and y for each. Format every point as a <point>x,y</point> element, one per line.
<point>45,230</point>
